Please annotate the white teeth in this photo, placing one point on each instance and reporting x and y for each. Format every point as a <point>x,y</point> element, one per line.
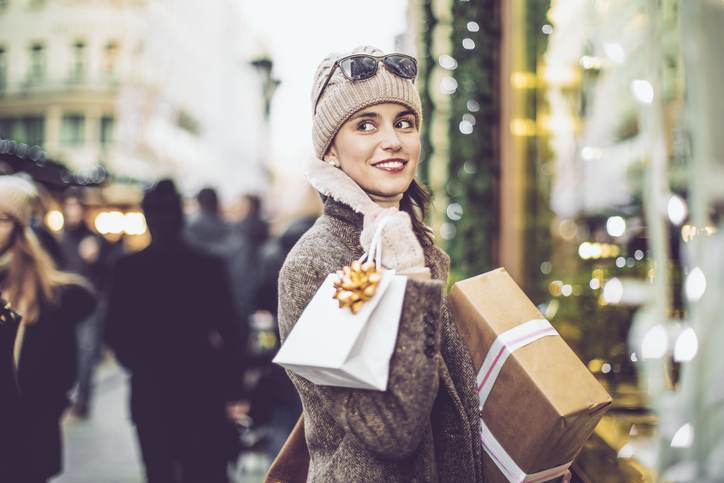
<point>391,164</point>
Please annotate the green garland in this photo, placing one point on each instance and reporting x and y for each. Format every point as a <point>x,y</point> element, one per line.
<point>427,64</point>
<point>474,167</point>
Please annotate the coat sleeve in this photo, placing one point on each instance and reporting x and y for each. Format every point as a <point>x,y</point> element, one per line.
<point>391,423</point>
<point>223,316</point>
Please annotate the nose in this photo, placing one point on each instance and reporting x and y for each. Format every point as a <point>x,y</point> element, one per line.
<point>390,140</point>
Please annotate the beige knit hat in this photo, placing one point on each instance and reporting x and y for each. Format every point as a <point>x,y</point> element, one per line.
<point>342,98</point>
<point>17,197</point>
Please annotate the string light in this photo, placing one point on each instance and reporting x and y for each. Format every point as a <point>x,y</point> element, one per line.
<point>454,211</point>
<point>447,62</point>
<point>616,226</point>
<point>589,153</point>
<point>615,52</point>
<point>448,85</point>
<point>468,43</point>
<point>613,291</point>
<point>595,251</point>
<point>589,62</point>
<point>686,346</point>
<point>643,91</point>
<point>523,127</point>
<point>54,220</point>
<point>683,437</point>
<point>523,80</point>
<point>677,209</point>
<point>655,343</point>
<point>695,284</point>
<point>465,127</point>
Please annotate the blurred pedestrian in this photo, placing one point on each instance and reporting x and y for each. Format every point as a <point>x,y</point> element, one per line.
<point>86,253</point>
<point>170,319</point>
<point>275,404</point>
<point>208,230</point>
<point>51,304</point>
<point>249,235</point>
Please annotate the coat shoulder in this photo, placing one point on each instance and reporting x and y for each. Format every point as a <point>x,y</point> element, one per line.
<point>320,249</point>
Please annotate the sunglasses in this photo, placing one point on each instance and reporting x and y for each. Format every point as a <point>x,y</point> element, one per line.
<point>358,67</point>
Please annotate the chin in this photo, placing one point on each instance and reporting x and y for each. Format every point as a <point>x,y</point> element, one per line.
<point>388,190</point>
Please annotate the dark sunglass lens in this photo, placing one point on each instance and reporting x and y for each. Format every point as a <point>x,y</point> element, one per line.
<point>402,65</point>
<point>359,68</point>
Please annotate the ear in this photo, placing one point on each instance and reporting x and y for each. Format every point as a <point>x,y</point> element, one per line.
<point>331,156</point>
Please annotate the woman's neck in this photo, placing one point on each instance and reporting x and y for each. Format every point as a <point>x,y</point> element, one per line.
<point>386,201</point>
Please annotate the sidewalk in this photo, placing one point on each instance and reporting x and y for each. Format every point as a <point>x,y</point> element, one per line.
<point>102,449</point>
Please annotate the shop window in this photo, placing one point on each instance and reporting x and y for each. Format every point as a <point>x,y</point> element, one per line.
<point>3,69</point>
<point>37,62</point>
<point>78,67</point>
<point>72,130</point>
<point>110,58</point>
<point>106,130</point>
<point>33,130</point>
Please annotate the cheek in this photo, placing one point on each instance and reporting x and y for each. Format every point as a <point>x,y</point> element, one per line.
<point>413,148</point>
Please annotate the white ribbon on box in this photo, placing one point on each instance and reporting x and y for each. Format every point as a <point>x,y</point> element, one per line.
<point>501,348</point>
<point>332,346</point>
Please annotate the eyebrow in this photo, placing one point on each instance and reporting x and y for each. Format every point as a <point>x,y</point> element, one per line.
<point>374,115</point>
<point>367,114</point>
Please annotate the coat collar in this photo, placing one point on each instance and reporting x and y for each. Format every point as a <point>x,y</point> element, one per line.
<point>333,183</point>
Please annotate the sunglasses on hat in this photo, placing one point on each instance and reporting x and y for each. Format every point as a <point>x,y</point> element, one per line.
<point>358,67</point>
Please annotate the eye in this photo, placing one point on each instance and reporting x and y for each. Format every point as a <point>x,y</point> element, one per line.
<point>405,123</point>
<point>365,126</point>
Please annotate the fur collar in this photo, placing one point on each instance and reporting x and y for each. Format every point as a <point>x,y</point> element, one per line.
<point>333,182</point>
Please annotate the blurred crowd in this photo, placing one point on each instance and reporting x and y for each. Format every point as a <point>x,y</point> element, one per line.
<point>191,317</point>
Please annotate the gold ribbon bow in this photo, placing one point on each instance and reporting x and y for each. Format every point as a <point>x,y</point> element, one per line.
<point>356,285</point>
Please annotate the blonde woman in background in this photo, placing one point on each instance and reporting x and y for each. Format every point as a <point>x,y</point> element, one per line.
<point>44,350</point>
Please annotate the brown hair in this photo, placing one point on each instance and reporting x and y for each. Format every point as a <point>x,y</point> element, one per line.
<point>31,278</point>
<point>416,202</point>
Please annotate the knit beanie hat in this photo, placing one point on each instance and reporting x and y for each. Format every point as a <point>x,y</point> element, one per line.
<point>17,197</point>
<point>342,98</point>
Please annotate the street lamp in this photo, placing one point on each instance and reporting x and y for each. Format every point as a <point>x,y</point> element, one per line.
<point>263,66</point>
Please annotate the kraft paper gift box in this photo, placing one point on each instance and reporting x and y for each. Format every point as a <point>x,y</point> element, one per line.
<point>539,402</point>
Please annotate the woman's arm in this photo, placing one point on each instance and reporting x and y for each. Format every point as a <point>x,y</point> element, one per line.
<point>390,423</point>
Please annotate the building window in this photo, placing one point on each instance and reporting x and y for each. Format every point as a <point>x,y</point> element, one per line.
<point>37,62</point>
<point>110,58</point>
<point>3,68</point>
<point>33,130</point>
<point>106,134</point>
<point>78,68</point>
<point>72,130</point>
<point>6,128</point>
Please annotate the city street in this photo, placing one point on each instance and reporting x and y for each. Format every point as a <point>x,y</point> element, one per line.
<point>103,448</point>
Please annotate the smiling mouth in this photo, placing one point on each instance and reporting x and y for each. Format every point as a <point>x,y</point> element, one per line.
<point>391,165</point>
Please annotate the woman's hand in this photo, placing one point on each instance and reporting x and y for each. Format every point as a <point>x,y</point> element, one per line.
<point>401,250</point>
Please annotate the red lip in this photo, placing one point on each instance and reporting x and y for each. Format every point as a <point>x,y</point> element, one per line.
<point>391,170</point>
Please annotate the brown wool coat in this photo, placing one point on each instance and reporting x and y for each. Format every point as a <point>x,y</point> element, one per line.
<point>425,427</point>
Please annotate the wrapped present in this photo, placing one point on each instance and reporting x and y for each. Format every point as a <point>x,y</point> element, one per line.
<point>538,402</point>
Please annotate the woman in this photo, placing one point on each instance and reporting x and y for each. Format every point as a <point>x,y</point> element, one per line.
<point>44,349</point>
<point>424,427</point>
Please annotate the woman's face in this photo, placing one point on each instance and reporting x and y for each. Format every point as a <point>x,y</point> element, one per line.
<point>379,148</point>
<point>7,228</point>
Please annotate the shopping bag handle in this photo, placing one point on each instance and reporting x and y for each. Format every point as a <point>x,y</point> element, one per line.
<point>375,251</point>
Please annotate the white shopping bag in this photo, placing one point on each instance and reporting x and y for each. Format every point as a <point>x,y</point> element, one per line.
<point>333,347</point>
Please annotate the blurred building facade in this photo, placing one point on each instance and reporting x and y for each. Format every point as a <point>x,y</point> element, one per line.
<point>142,88</point>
